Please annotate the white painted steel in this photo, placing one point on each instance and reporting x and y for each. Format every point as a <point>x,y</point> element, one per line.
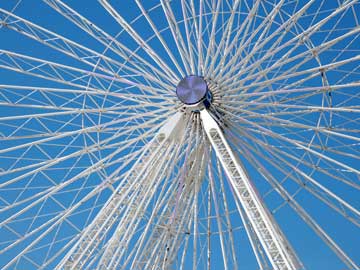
<point>98,171</point>
<point>277,248</point>
<point>140,177</point>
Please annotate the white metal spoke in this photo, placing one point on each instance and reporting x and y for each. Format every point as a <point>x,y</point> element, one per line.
<point>103,37</point>
<point>61,73</point>
<point>188,37</point>
<point>304,215</point>
<point>180,44</point>
<point>317,189</point>
<point>65,45</point>
<point>107,6</point>
<point>104,221</point>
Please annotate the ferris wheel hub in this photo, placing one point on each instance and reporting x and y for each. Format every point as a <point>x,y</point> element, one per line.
<point>193,91</point>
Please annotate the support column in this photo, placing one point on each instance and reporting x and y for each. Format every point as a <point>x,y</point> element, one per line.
<point>274,243</point>
<point>108,216</point>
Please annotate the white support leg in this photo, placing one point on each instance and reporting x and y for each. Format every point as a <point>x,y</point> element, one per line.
<point>81,252</point>
<point>174,218</point>
<point>277,248</point>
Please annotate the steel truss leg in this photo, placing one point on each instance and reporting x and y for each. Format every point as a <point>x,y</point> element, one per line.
<point>274,243</point>
<point>174,218</point>
<point>139,174</point>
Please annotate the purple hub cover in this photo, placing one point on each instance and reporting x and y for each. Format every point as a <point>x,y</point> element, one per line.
<point>192,89</point>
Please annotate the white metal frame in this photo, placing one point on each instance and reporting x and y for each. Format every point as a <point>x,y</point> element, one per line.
<point>261,61</point>
<point>260,225</point>
<point>277,248</point>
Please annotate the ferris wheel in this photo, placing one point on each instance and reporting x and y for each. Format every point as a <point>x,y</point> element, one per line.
<point>183,134</point>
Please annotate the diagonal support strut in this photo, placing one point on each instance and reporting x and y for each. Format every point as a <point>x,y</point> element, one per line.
<point>276,247</point>
<point>82,252</point>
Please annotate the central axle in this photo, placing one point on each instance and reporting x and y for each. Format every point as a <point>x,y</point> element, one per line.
<point>193,91</point>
